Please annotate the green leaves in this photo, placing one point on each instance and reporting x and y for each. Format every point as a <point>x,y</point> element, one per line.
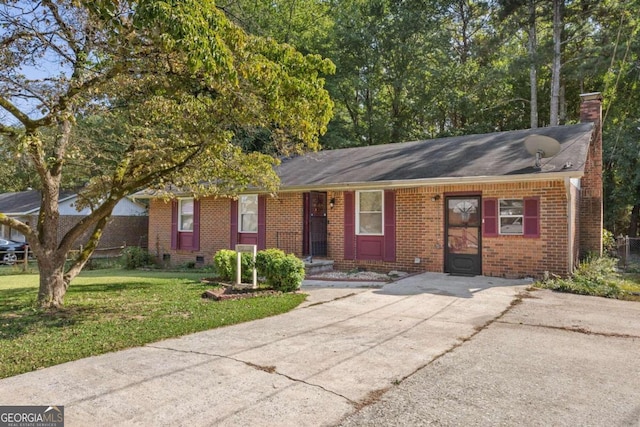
<point>195,27</point>
<point>150,94</point>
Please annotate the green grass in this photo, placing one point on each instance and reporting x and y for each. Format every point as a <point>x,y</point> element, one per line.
<point>630,284</point>
<point>109,310</point>
<point>598,277</point>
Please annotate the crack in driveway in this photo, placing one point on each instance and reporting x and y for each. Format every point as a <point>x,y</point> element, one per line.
<point>268,369</point>
<point>375,395</point>
<point>575,329</point>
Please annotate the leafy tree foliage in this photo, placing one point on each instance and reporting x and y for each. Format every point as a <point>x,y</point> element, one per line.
<point>118,96</point>
<point>421,69</point>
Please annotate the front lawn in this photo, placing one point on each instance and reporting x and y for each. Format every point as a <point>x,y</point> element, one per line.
<point>108,310</point>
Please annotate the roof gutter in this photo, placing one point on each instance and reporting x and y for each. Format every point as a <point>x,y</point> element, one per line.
<point>14,214</point>
<point>408,183</point>
<point>432,182</point>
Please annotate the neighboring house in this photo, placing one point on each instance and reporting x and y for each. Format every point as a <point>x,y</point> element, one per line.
<point>128,224</point>
<point>472,204</point>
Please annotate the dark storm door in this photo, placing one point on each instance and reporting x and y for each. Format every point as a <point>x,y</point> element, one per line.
<point>463,234</point>
<point>315,238</point>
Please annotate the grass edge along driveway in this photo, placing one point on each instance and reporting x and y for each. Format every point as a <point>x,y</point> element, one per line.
<point>109,310</point>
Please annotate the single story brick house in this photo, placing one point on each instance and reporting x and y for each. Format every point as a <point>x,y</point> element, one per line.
<point>128,224</point>
<point>475,204</point>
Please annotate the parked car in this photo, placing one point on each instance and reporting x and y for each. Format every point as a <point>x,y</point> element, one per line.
<point>11,251</point>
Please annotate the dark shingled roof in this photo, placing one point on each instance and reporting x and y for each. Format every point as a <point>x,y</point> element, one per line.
<point>488,155</point>
<point>24,201</point>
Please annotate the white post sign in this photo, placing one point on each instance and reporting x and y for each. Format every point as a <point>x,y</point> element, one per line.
<point>253,250</point>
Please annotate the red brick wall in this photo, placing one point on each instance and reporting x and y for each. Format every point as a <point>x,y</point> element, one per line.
<point>591,215</point>
<point>516,256</point>
<point>120,230</point>
<point>214,231</point>
<point>285,223</point>
<point>420,230</point>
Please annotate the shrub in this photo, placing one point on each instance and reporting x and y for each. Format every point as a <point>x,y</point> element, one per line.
<point>282,272</point>
<point>135,257</point>
<point>189,265</point>
<point>595,276</point>
<point>265,260</point>
<point>285,273</point>
<point>226,261</point>
<point>609,244</point>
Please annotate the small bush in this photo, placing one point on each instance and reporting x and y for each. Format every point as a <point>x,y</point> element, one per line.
<point>135,257</point>
<point>282,272</point>
<point>285,273</point>
<point>265,260</point>
<point>189,265</point>
<point>226,260</point>
<point>609,244</point>
<point>594,276</point>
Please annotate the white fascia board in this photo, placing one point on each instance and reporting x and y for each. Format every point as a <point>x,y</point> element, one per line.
<point>30,212</point>
<point>376,185</point>
<point>432,182</point>
<point>15,214</point>
<point>147,195</point>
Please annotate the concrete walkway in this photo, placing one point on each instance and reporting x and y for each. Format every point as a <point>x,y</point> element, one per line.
<point>315,365</point>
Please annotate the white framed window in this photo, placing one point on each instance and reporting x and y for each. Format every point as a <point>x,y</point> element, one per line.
<point>185,215</point>
<point>369,212</point>
<point>511,216</point>
<point>248,213</point>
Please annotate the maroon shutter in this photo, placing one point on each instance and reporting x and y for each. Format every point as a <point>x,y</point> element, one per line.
<point>195,243</point>
<point>233,238</point>
<point>532,217</point>
<point>490,217</point>
<point>389,225</point>
<point>349,224</point>
<point>306,212</point>
<point>262,222</point>
<point>174,224</point>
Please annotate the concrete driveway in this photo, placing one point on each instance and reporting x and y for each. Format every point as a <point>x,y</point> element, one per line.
<point>338,352</point>
<point>552,360</point>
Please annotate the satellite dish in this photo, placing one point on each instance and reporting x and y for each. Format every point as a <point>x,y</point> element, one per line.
<point>542,147</point>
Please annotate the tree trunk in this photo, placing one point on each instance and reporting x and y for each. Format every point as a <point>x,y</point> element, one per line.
<point>562,115</point>
<point>633,224</point>
<point>53,286</point>
<point>533,63</point>
<point>557,62</point>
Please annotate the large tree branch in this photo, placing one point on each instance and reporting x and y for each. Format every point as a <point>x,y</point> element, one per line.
<point>87,250</point>
<point>23,228</point>
<point>15,112</point>
<point>101,212</point>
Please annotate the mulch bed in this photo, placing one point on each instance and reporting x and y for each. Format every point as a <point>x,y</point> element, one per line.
<point>228,291</point>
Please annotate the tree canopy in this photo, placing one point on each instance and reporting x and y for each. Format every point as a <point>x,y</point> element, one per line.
<point>420,69</point>
<point>117,96</point>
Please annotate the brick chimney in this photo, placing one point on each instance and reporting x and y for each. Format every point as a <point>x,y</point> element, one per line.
<point>591,193</point>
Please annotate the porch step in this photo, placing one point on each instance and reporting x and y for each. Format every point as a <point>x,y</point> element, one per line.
<point>318,266</point>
